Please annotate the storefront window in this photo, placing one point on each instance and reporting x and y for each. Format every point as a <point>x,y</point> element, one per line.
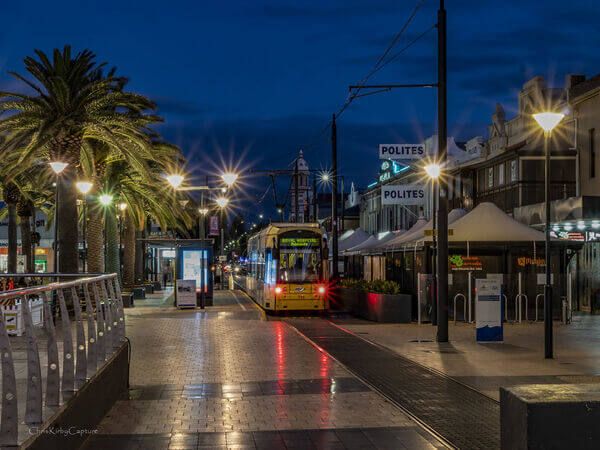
<point>501,174</point>
<point>514,170</point>
<point>491,177</point>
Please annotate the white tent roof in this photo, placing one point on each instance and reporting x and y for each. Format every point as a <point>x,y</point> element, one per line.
<point>357,237</point>
<point>416,234</point>
<point>375,241</point>
<point>488,223</point>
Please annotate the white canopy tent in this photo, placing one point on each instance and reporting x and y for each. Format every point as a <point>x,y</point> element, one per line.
<point>374,241</point>
<point>416,234</point>
<point>488,223</point>
<point>357,236</point>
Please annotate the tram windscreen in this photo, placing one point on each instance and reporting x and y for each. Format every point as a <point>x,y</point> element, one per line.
<point>300,258</point>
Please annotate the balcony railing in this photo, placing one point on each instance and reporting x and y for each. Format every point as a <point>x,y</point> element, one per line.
<point>84,352</point>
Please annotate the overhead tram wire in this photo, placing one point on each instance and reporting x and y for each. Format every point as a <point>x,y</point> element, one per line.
<point>378,66</point>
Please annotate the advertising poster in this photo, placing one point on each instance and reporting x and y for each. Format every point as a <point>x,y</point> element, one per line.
<point>186,293</point>
<point>213,229</point>
<point>193,266</point>
<point>488,317</point>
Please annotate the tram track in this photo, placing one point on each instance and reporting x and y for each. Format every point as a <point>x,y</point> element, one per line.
<point>456,414</point>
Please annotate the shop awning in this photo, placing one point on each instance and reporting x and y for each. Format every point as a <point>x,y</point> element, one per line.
<point>374,242</point>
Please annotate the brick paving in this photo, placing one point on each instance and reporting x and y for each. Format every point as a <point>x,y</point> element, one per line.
<point>225,377</point>
<point>463,416</point>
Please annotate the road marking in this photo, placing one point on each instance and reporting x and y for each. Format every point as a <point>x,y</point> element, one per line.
<point>236,299</point>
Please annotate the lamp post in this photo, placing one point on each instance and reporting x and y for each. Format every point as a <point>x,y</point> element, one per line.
<point>433,172</point>
<point>122,207</point>
<point>58,167</point>
<point>547,121</point>
<point>105,200</point>
<point>222,202</point>
<point>84,187</point>
<point>201,228</point>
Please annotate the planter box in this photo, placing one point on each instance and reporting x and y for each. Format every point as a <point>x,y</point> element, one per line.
<point>377,307</point>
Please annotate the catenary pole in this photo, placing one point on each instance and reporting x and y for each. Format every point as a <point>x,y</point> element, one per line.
<point>442,217</point>
<point>334,216</point>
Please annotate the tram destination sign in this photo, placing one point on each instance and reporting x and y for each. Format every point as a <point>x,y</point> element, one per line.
<point>403,194</point>
<point>401,152</point>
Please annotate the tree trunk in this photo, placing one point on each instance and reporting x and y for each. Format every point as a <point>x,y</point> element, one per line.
<point>140,266</point>
<point>95,238</point>
<point>25,226</point>
<point>112,241</point>
<point>12,238</point>
<point>128,252</point>
<point>68,236</point>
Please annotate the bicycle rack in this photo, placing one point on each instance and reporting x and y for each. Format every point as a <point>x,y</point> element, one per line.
<point>518,303</point>
<point>464,306</point>
<point>536,305</point>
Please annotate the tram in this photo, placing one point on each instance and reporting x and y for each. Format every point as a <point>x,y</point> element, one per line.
<point>288,268</point>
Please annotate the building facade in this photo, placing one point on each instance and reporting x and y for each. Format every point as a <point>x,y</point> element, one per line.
<point>302,191</point>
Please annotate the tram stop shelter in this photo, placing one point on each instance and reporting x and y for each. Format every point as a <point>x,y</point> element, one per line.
<point>192,260</point>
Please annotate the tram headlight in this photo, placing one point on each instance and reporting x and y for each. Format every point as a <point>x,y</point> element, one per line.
<point>321,290</point>
<point>278,290</point>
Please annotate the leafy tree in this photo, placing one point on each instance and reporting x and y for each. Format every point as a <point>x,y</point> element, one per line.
<point>72,102</point>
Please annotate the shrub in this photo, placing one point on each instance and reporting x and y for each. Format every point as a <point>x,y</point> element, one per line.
<point>375,286</point>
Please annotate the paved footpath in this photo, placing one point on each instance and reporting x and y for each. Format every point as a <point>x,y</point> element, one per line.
<point>225,377</point>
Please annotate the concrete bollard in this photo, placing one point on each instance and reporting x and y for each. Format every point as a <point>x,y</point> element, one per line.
<point>542,416</point>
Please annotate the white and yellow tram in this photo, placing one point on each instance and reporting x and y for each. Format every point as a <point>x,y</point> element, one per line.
<point>287,268</point>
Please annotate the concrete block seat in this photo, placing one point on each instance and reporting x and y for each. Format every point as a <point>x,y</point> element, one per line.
<point>138,292</point>
<point>550,416</point>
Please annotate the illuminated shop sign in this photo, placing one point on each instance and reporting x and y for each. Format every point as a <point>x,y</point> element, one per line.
<point>388,169</point>
<point>459,262</point>
<point>526,261</point>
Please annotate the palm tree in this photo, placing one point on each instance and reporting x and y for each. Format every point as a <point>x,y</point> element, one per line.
<point>11,196</point>
<point>25,211</point>
<point>144,198</point>
<point>72,102</point>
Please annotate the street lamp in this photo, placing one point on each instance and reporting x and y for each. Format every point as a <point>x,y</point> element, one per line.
<point>175,180</point>
<point>222,202</point>
<point>122,207</point>
<point>105,200</point>
<point>84,187</point>
<point>57,167</point>
<point>547,121</point>
<point>433,171</point>
<point>229,178</point>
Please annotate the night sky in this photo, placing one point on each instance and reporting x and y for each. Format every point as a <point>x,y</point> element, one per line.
<point>251,82</point>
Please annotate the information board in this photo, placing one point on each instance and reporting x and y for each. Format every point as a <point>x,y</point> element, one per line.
<point>488,308</point>
<point>185,293</point>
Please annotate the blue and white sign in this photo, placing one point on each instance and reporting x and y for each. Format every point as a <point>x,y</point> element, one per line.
<point>488,308</point>
<point>401,152</point>
<point>402,194</point>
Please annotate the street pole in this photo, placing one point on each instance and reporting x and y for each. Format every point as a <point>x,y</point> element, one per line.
<point>121,245</point>
<point>203,281</point>
<point>334,217</point>
<point>56,228</point>
<point>434,250</point>
<point>315,197</point>
<point>296,206</point>
<point>84,232</point>
<point>442,251</point>
<point>222,233</point>
<point>343,204</point>
<point>548,286</point>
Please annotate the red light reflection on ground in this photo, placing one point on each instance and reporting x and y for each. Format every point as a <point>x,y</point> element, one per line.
<point>280,350</point>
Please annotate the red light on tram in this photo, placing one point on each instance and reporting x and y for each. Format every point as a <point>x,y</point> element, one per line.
<point>321,290</point>
<point>278,290</point>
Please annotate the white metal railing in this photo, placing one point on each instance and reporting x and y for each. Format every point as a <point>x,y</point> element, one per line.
<point>537,297</point>
<point>105,334</point>
<point>518,309</point>
<point>464,306</point>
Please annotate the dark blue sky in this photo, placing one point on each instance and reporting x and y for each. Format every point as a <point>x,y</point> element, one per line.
<point>262,78</point>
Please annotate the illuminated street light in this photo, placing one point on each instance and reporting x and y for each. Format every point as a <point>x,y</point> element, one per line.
<point>58,166</point>
<point>548,120</point>
<point>175,180</point>
<point>105,199</point>
<point>229,178</point>
<point>84,186</point>
<point>260,216</point>
<point>123,206</point>
<point>222,202</point>
<point>203,211</point>
<point>433,171</point>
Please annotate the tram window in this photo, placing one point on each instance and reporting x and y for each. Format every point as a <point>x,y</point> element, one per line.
<point>299,266</point>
